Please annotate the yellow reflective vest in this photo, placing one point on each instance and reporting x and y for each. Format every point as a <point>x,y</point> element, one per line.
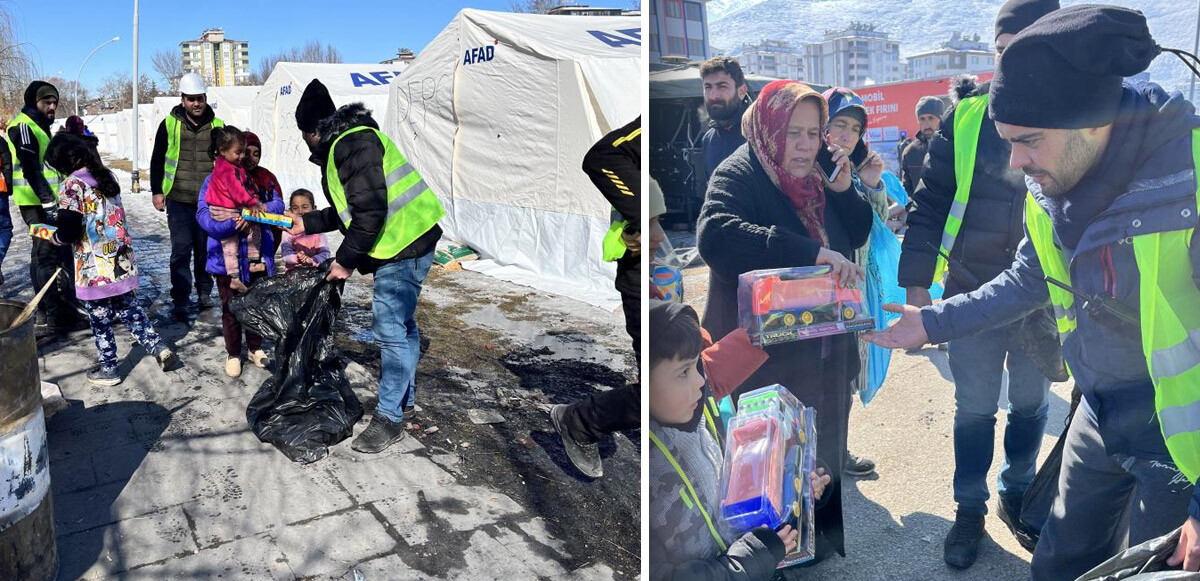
<point>22,192</point>
<point>1169,319</point>
<point>413,208</point>
<point>171,161</point>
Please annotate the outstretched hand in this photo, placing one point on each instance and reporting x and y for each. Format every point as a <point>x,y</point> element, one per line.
<point>907,333</point>
<point>297,228</point>
<point>1187,552</point>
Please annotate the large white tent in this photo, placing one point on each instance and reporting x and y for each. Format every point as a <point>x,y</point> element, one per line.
<point>274,113</point>
<point>497,113</point>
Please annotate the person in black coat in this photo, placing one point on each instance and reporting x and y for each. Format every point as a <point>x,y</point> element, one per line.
<point>768,207</point>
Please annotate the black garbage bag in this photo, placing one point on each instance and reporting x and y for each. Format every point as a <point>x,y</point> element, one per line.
<point>1039,497</point>
<point>307,404</point>
<point>1144,562</point>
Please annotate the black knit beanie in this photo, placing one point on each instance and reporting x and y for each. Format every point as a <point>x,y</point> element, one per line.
<point>1065,71</point>
<point>929,105</point>
<point>315,104</point>
<point>38,90</point>
<point>1017,15</point>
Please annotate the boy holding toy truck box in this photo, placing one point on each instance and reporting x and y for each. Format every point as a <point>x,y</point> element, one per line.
<point>686,459</point>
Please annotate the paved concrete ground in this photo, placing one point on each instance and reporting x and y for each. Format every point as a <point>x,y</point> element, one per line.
<point>160,477</point>
<point>896,521</point>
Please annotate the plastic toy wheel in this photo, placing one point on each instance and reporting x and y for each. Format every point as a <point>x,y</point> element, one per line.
<point>789,319</point>
<point>806,317</point>
<point>848,313</point>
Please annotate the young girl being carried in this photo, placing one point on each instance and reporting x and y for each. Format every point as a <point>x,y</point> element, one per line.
<point>231,188</point>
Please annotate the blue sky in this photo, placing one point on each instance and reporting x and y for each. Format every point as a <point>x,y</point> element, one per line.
<point>62,33</point>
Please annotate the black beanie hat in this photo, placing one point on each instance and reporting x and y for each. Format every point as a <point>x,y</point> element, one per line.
<point>38,90</point>
<point>929,105</point>
<point>1065,71</point>
<point>315,104</point>
<point>1017,15</point>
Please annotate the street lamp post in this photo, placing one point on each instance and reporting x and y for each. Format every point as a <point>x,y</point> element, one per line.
<point>85,61</point>
<point>136,79</point>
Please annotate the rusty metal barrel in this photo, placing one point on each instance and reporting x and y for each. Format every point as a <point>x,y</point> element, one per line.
<point>27,548</point>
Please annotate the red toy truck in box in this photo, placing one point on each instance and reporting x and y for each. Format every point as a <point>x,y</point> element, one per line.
<point>789,304</point>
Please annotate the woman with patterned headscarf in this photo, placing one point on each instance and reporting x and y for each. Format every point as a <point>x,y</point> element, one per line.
<point>769,205</point>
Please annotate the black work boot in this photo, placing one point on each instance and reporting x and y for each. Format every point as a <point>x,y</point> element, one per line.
<point>962,544</point>
<point>378,436</point>
<point>585,457</point>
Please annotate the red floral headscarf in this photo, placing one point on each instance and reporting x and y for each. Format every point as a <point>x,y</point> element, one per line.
<point>765,126</point>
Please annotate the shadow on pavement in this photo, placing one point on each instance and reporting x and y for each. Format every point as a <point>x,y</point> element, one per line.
<point>94,453</point>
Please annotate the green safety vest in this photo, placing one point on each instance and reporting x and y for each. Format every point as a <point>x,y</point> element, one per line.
<point>614,244</point>
<point>968,119</point>
<point>22,192</point>
<point>413,208</point>
<point>171,162</point>
<point>1170,320</point>
<point>688,492</point>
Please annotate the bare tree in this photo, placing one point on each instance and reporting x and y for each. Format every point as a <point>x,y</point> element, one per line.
<point>312,52</point>
<point>169,65</point>
<point>67,95</point>
<point>533,6</point>
<point>116,92</point>
<point>16,68</point>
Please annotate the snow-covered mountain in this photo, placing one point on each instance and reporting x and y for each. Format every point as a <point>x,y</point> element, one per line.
<point>922,25</point>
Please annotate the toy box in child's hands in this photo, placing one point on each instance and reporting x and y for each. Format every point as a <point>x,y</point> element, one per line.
<point>769,452</point>
<point>43,231</point>
<point>267,218</point>
<point>789,304</point>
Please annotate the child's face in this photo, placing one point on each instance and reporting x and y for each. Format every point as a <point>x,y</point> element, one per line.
<point>234,153</point>
<point>301,205</point>
<point>675,386</point>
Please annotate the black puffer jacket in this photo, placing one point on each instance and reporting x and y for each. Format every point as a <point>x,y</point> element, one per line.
<point>992,225</point>
<point>359,162</point>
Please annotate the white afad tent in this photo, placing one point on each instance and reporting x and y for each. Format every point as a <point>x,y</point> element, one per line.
<point>274,114</point>
<point>497,113</point>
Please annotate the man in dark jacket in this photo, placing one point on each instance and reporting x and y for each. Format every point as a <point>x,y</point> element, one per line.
<point>1111,212</point>
<point>388,217</point>
<point>35,191</point>
<point>726,97</point>
<point>912,158</point>
<point>980,227</point>
<point>614,166</point>
<point>179,163</point>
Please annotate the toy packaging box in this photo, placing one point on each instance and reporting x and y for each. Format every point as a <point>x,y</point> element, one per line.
<point>268,219</point>
<point>770,449</point>
<point>43,231</point>
<point>789,304</point>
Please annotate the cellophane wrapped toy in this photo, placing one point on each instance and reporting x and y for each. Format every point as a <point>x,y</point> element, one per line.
<point>788,304</point>
<point>770,449</point>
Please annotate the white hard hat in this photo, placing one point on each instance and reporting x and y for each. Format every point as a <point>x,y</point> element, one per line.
<point>192,84</point>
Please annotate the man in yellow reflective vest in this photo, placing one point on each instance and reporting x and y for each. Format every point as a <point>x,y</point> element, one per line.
<point>179,163</point>
<point>389,219</point>
<point>35,192</point>
<point>614,165</point>
<point>1111,214</point>
<point>968,203</point>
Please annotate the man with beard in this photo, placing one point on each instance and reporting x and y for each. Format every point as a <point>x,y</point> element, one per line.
<point>969,206</point>
<point>912,160</point>
<point>35,192</point>
<point>1110,213</point>
<point>725,98</point>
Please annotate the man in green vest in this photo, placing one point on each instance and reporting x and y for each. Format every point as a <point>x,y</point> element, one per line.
<point>35,192</point>
<point>178,165</point>
<point>1111,214</point>
<point>968,203</point>
<point>389,218</point>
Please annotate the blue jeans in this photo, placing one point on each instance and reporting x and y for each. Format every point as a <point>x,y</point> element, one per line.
<point>977,363</point>
<point>397,286</point>
<point>6,227</point>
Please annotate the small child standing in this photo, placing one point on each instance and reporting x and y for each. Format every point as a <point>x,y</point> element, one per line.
<point>92,220</point>
<point>231,188</point>
<point>306,249</point>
